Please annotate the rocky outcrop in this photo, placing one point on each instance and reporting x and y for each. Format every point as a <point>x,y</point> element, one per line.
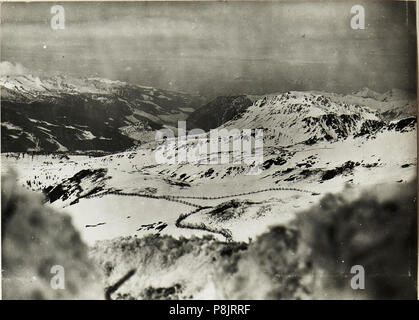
<point>218,111</point>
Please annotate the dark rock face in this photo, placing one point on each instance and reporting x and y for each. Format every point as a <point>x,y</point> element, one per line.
<point>342,126</point>
<point>274,161</point>
<point>403,125</point>
<point>347,167</point>
<point>70,188</point>
<point>218,112</point>
<point>370,126</point>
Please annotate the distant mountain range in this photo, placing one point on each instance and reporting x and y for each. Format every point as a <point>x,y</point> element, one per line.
<point>63,113</point>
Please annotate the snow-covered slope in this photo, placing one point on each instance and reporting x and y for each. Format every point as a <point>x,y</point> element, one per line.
<point>296,117</point>
<point>394,104</point>
<point>337,115</point>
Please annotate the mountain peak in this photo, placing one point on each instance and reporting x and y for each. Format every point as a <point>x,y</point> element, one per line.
<point>366,92</point>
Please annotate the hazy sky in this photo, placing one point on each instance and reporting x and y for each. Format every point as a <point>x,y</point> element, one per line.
<point>220,47</point>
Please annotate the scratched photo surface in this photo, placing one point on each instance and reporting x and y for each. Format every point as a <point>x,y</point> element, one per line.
<point>209,150</point>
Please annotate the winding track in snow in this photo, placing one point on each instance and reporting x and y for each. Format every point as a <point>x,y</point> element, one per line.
<point>180,220</point>
<point>176,198</point>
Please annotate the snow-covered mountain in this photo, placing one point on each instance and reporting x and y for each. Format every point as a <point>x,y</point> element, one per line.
<point>63,113</point>
<point>294,117</point>
<point>394,104</point>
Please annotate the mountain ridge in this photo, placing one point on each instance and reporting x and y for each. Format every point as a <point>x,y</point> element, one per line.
<point>63,113</point>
